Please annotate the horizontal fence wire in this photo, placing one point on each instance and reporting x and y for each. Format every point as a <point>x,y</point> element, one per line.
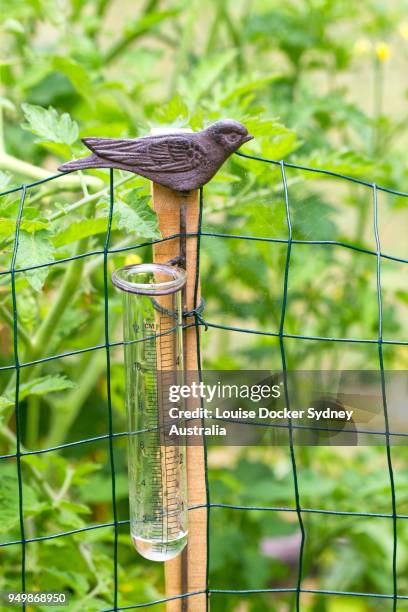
<point>282,335</point>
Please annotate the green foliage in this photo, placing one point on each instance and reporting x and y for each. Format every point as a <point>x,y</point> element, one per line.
<point>34,250</point>
<point>287,70</point>
<point>38,386</point>
<point>134,215</point>
<point>47,124</point>
<point>31,222</point>
<point>79,229</point>
<point>9,501</point>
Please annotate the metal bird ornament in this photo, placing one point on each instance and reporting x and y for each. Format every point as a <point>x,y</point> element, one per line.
<point>181,162</point>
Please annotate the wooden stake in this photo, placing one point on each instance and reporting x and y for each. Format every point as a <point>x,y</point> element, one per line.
<point>186,573</point>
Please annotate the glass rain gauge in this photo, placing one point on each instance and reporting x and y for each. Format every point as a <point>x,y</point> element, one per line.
<point>152,324</point>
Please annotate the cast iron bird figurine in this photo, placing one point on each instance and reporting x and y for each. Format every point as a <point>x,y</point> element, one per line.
<point>179,161</point>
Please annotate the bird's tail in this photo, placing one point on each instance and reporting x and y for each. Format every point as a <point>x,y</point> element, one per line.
<point>91,161</point>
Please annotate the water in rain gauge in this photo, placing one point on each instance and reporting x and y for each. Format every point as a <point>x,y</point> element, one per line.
<point>152,308</point>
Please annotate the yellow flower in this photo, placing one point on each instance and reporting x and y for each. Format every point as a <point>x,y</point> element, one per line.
<point>133,259</point>
<point>383,51</point>
<point>403,30</point>
<point>362,46</point>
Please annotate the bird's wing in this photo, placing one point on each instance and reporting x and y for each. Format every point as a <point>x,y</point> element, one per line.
<point>169,153</point>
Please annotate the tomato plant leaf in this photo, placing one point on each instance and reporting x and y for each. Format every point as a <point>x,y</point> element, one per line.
<point>9,516</point>
<point>135,216</point>
<point>49,125</point>
<point>35,249</point>
<point>38,386</point>
<point>76,73</point>
<point>80,229</point>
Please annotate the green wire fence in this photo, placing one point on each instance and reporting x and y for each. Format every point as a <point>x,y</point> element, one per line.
<point>200,320</point>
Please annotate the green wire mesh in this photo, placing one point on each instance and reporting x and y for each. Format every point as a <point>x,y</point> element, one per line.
<point>200,321</point>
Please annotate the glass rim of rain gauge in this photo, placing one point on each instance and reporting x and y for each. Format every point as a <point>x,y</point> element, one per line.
<point>120,278</point>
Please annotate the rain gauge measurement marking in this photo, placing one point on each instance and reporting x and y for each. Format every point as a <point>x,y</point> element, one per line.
<point>163,460</point>
<point>157,467</point>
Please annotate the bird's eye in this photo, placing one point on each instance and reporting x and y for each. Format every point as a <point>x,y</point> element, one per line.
<point>232,137</point>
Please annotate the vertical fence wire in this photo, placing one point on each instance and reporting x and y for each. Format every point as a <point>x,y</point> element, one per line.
<point>108,390</point>
<point>17,392</point>
<point>197,323</point>
<point>285,385</point>
<point>384,399</point>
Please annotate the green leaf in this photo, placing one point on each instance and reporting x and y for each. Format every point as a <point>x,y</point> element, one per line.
<point>57,148</point>
<point>135,216</point>
<point>48,125</point>
<point>96,489</point>
<point>76,73</point>
<point>402,296</point>
<point>139,26</point>
<point>174,112</point>
<point>35,249</point>
<point>274,139</point>
<point>68,518</point>
<point>7,104</point>
<point>344,162</point>
<point>73,507</point>
<point>5,402</point>
<point>208,71</point>
<point>313,218</point>
<point>31,221</point>
<point>76,581</point>
<point>48,384</point>
<point>83,471</point>
<point>16,10</point>
<point>38,386</point>
<point>80,229</point>
<point>148,21</point>
<point>247,85</point>
<point>9,516</point>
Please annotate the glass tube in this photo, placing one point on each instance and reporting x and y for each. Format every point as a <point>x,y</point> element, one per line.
<point>152,317</point>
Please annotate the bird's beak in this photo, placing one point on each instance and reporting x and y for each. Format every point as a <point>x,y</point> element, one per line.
<point>248,138</point>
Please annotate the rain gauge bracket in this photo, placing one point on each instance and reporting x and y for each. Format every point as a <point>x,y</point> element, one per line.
<point>180,260</point>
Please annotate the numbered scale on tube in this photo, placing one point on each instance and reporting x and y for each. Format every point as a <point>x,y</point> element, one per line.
<point>152,313</point>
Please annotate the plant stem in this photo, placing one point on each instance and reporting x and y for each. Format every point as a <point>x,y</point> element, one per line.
<point>33,421</point>
<point>43,194</point>
<point>46,330</point>
<point>378,105</point>
<point>9,436</point>
<point>13,164</point>
<point>65,485</point>
<point>69,286</point>
<point>184,49</point>
<point>235,37</point>
<point>96,261</point>
<point>74,206</point>
<point>101,7</point>
<point>118,47</point>
<point>65,413</point>
<point>87,199</point>
<point>213,35</point>
<point>8,317</point>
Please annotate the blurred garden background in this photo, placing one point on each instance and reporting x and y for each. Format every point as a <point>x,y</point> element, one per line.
<point>317,82</point>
